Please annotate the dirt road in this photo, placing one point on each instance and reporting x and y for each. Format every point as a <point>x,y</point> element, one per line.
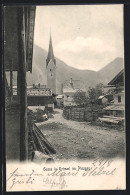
<point>80,140</point>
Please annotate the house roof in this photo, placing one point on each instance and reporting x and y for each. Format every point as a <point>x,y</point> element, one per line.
<point>114,107</point>
<point>118,79</point>
<point>59,97</point>
<point>11,36</point>
<point>39,92</point>
<point>36,92</point>
<point>73,86</point>
<point>101,97</point>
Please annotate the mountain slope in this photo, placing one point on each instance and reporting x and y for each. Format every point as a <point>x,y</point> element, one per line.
<point>110,70</point>
<point>65,72</point>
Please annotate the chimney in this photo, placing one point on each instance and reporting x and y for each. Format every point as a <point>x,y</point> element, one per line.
<point>39,85</point>
<point>62,88</point>
<point>71,82</point>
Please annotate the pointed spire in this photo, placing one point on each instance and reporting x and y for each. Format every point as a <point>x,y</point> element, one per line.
<point>50,55</point>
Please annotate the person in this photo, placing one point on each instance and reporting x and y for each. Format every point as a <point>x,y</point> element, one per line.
<point>46,110</point>
<point>45,116</point>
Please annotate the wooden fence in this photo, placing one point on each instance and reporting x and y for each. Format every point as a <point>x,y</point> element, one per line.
<point>81,114</point>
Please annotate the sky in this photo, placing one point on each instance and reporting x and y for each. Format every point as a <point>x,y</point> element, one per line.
<point>83,36</point>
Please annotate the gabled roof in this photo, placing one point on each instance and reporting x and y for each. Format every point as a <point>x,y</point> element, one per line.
<point>73,85</point>
<point>118,79</point>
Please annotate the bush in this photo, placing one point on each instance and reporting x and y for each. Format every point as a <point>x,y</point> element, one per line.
<point>38,116</point>
<point>80,98</point>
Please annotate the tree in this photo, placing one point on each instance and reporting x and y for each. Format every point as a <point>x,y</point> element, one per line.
<point>95,92</point>
<point>80,97</point>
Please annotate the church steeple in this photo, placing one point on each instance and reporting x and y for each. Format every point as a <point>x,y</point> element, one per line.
<point>51,68</point>
<point>50,55</point>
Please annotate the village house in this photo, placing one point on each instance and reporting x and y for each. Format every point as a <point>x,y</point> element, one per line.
<point>70,87</point>
<point>59,100</point>
<point>114,112</point>
<point>38,96</point>
<point>23,137</point>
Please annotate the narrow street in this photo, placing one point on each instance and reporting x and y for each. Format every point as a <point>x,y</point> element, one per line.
<point>80,140</point>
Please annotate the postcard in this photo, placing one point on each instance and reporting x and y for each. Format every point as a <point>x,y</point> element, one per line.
<point>64,97</point>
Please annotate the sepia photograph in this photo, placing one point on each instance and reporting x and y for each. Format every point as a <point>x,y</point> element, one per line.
<point>64,78</point>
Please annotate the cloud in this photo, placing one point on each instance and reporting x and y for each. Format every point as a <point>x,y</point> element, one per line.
<point>87,53</point>
<point>80,44</point>
<point>83,36</point>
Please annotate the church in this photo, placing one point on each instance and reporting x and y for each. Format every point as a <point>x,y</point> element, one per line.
<point>51,68</point>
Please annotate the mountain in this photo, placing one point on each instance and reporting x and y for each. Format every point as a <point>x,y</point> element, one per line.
<point>109,71</point>
<point>65,72</point>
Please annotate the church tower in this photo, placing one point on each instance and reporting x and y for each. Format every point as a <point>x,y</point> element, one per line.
<point>51,68</point>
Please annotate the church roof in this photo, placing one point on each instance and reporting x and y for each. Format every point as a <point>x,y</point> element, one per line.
<point>73,85</point>
<point>50,55</point>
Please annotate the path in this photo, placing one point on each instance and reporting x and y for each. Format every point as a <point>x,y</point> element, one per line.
<point>73,139</point>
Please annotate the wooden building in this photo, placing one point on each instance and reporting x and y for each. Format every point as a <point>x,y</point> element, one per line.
<point>22,135</point>
<point>114,112</point>
<point>117,108</point>
<point>38,96</point>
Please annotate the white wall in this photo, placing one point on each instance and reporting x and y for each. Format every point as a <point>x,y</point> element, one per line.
<point>68,99</point>
<point>122,98</point>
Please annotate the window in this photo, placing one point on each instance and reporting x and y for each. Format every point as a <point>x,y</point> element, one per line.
<point>119,98</point>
